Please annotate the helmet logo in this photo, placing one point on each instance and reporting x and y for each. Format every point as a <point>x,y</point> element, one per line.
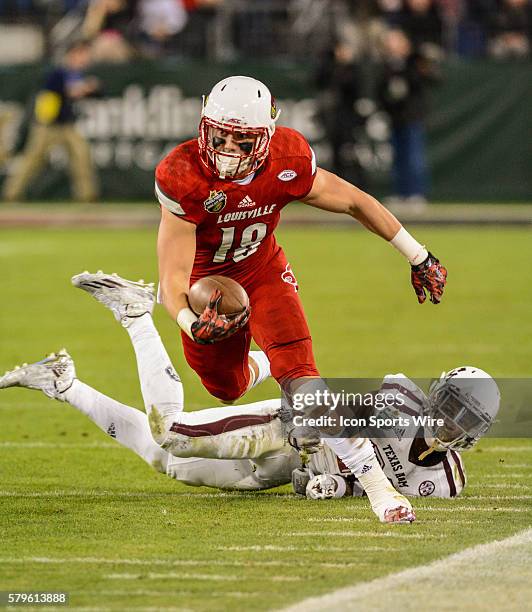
<point>215,202</point>
<point>426,488</point>
<point>273,109</point>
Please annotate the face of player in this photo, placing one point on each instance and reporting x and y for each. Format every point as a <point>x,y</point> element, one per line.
<point>234,151</point>
<point>462,422</point>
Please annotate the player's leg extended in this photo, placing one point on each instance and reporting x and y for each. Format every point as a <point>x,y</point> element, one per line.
<point>235,474</point>
<point>280,328</point>
<point>132,304</point>
<point>55,376</point>
<point>246,431</point>
<point>239,432</point>
<point>278,323</point>
<point>227,369</point>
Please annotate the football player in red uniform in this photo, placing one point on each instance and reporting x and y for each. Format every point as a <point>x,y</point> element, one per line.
<point>221,197</point>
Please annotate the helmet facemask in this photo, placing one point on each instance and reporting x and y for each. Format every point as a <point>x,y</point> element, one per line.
<point>464,421</point>
<point>253,145</point>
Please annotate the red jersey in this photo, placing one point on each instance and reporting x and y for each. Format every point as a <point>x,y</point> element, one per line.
<point>235,220</point>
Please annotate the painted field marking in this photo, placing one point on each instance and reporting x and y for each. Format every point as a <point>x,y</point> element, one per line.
<point>488,485</point>
<point>492,576</point>
<point>497,497</point>
<point>195,576</point>
<point>91,493</point>
<point>509,475</point>
<point>177,562</point>
<point>400,533</point>
<point>272,548</point>
<point>507,449</point>
<point>473,509</point>
<point>88,445</point>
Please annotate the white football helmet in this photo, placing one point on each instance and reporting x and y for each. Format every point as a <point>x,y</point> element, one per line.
<point>243,107</point>
<point>467,399</point>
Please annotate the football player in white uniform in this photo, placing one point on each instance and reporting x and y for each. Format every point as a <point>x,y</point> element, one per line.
<point>244,447</point>
<point>420,461</point>
<point>167,437</point>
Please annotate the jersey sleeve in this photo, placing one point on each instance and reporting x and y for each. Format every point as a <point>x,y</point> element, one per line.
<point>408,397</point>
<point>172,190</point>
<point>301,162</point>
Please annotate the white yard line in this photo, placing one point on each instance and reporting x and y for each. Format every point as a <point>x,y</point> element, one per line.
<point>92,493</point>
<point>182,562</point>
<point>475,509</point>
<point>493,576</point>
<point>489,485</point>
<point>507,449</point>
<point>273,548</point>
<point>518,475</point>
<point>497,497</point>
<point>88,445</point>
<point>195,576</point>
<point>399,533</point>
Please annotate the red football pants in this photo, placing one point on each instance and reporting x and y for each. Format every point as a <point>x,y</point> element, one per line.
<point>277,324</point>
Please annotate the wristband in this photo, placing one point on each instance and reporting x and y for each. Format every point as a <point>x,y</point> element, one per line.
<point>408,246</point>
<point>185,318</point>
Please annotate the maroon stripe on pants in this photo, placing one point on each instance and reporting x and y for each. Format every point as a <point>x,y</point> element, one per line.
<point>450,479</point>
<point>222,426</point>
<point>459,466</point>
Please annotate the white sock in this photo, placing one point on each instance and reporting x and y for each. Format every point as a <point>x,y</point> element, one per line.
<point>161,386</point>
<point>126,425</point>
<point>263,365</point>
<point>359,456</point>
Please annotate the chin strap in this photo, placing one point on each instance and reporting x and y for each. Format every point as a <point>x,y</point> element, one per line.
<point>431,449</point>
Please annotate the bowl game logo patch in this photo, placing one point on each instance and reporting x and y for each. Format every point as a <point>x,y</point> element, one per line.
<point>215,202</point>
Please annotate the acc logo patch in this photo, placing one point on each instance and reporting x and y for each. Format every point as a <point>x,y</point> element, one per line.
<point>426,488</point>
<point>215,202</point>
<point>287,175</point>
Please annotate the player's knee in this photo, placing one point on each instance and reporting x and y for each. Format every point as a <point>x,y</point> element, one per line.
<point>227,396</point>
<point>159,426</point>
<point>228,393</point>
<point>293,360</point>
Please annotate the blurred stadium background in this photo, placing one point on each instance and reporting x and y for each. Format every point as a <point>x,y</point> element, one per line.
<point>79,513</point>
<point>326,61</point>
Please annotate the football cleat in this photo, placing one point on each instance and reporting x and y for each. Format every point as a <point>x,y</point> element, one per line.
<point>53,375</point>
<point>401,514</point>
<point>126,299</point>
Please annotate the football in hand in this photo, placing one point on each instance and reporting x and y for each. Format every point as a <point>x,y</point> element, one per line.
<point>234,297</point>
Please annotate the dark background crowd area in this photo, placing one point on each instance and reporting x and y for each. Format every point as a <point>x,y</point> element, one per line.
<point>223,30</point>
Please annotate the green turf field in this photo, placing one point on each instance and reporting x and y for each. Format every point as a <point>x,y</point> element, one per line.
<point>79,513</point>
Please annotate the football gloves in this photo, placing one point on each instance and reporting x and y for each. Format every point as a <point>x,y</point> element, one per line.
<point>429,276</point>
<point>212,327</point>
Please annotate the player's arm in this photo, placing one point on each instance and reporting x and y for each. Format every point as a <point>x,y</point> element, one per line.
<point>176,248</point>
<point>330,192</point>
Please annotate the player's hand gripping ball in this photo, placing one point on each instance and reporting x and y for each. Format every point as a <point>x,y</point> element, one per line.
<point>223,308</point>
<point>429,276</point>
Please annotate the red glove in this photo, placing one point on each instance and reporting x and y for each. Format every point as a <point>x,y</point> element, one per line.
<point>431,276</point>
<point>212,327</point>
